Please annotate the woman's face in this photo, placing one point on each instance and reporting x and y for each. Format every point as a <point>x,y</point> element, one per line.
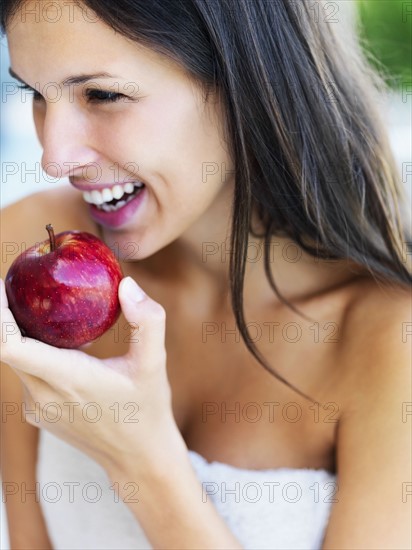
<point>161,131</point>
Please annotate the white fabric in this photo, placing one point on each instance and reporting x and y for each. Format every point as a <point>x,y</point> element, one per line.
<point>278,509</point>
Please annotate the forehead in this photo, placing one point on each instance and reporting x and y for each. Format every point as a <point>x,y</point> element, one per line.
<point>53,23</point>
<point>53,39</point>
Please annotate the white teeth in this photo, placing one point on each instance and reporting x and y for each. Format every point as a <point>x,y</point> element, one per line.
<point>129,187</point>
<point>106,195</point>
<point>117,191</point>
<point>87,197</point>
<point>97,197</point>
<point>113,207</point>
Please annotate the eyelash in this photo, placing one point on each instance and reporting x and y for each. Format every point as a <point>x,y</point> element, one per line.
<point>35,93</point>
<point>93,95</point>
<point>105,97</point>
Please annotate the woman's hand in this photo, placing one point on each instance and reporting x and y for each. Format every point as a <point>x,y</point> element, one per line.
<point>116,410</point>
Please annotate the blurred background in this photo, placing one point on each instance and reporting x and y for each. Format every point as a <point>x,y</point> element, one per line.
<point>385,31</point>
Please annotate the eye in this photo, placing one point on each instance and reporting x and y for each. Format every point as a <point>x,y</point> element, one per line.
<point>93,95</point>
<point>36,95</point>
<point>100,96</point>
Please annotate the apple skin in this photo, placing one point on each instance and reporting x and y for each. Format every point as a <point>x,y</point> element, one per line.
<point>68,296</point>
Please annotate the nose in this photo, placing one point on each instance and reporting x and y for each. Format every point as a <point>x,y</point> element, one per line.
<point>63,133</point>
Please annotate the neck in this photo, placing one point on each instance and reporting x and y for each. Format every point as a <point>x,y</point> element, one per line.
<point>198,262</point>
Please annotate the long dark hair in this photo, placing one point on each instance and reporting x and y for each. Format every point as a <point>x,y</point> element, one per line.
<point>311,155</point>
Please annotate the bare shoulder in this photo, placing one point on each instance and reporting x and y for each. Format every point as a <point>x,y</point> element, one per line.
<point>23,222</point>
<point>373,436</point>
<point>377,336</point>
<point>377,320</point>
<point>379,303</point>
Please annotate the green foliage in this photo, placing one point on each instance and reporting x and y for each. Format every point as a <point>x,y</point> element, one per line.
<point>385,28</point>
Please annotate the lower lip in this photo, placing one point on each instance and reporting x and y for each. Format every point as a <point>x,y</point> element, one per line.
<point>119,217</point>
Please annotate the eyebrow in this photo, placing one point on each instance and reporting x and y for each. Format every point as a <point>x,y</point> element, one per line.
<point>79,79</point>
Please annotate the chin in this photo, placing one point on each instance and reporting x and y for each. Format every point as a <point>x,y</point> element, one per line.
<point>125,246</point>
<point>129,247</point>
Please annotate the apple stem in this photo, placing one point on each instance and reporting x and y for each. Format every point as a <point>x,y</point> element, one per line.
<point>52,238</point>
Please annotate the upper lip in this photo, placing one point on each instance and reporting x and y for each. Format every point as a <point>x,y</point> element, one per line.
<point>83,186</point>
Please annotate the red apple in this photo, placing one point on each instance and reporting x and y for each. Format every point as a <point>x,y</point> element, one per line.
<point>63,291</point>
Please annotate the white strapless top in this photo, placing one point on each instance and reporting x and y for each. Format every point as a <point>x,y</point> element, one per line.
<point>282,508</point>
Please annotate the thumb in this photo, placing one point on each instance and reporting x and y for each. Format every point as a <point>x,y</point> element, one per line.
<point>147,320</point>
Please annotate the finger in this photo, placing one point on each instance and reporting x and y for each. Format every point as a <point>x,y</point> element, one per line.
<point>29,407</point>
<point>34,384</point>
<point>26,354</point>
<point>9,329</point>
<point>24,377</point>
<point>4,301</point>
<point>147,319</point>
<point>27,398</point>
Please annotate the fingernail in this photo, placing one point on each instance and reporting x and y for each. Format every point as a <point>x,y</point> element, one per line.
<point>133,290</point>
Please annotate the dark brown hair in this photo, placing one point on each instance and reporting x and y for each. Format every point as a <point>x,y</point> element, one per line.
<point>311,155</point>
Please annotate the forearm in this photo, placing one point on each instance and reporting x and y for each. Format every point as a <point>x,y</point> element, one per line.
<point>26,526</point>
<point>172,512</point>
<point>28,532</point>
<point>21,542</point>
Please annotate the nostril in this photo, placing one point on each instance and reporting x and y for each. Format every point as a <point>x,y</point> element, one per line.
<point>58,168</point>
<point>52,169</point>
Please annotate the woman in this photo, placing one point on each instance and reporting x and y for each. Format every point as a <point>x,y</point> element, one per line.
<point>268,233</point>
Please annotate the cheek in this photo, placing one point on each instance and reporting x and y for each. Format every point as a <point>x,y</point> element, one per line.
<point>126,139</point>
<point>166,127</point>
<point>173,139</point>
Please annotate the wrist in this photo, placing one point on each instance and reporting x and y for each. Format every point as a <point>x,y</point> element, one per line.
<point>167,501</point>
<point>152,464</point>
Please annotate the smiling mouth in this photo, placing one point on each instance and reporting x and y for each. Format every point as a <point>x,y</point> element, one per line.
<point>114,198</point>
